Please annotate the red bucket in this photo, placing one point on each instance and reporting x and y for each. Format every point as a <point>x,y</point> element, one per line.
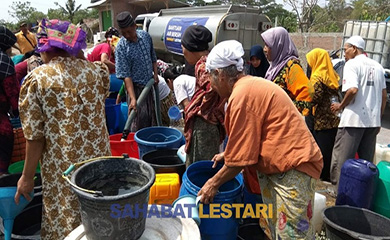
<point>128,146</point>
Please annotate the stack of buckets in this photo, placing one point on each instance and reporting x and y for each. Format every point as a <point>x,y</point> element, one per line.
<point>166,187</point>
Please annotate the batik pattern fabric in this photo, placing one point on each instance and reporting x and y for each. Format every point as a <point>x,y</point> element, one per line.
<point>135,59</point>
<point>292,197</point>
<point>63,102</point>
<point>294,82</point>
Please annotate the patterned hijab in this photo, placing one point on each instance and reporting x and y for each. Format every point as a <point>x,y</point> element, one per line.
<point>322,68</point>
<point>261,70</point>
<point>60,34</point>
<point>282,50</point>
<point>7,40</point>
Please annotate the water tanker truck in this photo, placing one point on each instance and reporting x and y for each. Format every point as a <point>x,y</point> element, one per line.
<point>227,22</point>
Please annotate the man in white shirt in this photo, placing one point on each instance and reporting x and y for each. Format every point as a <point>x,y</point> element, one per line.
<point>363,106</point>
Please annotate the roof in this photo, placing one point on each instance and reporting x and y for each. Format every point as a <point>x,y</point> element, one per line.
<point>157,5</point>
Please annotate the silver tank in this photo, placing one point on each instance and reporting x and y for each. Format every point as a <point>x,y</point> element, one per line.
<point>225,22</point>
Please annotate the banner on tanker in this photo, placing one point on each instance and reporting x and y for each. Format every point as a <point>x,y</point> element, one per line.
<point>175,30</point>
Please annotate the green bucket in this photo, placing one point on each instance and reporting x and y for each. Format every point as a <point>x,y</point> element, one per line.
<point>17,167</point>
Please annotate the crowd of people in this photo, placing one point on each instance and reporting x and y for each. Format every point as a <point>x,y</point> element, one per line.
<point>282,127</point>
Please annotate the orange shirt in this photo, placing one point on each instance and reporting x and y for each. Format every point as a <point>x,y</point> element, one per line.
<point>24,45</point>
<point>265,129</point>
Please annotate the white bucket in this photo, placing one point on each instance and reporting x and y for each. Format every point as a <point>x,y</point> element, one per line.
<point>382,153</point>
<point>319,206</point>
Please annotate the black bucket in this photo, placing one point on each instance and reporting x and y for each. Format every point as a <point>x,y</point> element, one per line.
<point>114,215</point>
<point>346,222</point>
<point>250,230</point>
<point>165,161</point>
<point>11,180</point>
<point>27,225</point>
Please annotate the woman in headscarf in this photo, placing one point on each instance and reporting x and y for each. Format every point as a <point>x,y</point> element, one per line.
<point>258,62</point>
<point>62,112</point>
<point>204,116</point>
<point>285,69</point>
<point>9,94</point>
<point>326,82</point>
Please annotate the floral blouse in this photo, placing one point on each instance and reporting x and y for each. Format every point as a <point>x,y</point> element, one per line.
<point>293,80</point>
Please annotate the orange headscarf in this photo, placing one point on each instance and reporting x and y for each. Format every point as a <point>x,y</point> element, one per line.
<point>322,68</point>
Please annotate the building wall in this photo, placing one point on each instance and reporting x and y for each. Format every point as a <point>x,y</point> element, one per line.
<point>327,41</point>
<point>305,42</point>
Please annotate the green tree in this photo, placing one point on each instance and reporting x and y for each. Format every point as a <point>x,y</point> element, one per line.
<point>69,10</point>
<point>85,13</point>
<point>22,11</point>
<point>330,18</point>
<point>304,12</point>
<point>279,15</point>
<point>11,26</point>
<point>55,13</point>
<point>374,10</point>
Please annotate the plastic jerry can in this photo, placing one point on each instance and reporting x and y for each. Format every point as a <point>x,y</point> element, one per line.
<point>382,153</point>
<point>165,189</point>
<point>382,194</point>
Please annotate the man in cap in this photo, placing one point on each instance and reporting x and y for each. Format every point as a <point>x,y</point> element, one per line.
<point>258,121</point>
<point>363,105</point>
<point>25,39</point>
<point>135,62</point>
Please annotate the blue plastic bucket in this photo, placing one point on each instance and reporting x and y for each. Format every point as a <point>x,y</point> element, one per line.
<point>115,83</point>
<point>154,138</point>
<point>174,113</point>
<point>113,112</point>
<point>357,183</point>
<point>194,178</point>
<point>123,116</point>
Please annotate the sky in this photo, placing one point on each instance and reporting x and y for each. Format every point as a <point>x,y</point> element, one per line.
<point>40,5</point>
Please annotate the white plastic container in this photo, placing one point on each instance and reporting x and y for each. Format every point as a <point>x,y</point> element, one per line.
<point>319,206</point>
<point>382,153</point>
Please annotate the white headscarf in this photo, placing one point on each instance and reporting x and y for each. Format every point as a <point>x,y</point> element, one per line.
<point>224,54</point>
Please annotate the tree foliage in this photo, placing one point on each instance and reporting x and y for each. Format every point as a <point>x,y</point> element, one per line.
<point>304,12</point>
<point>70,9</point>
<point>331,18</point>
<point>374,10</point>
<point>23,12</point>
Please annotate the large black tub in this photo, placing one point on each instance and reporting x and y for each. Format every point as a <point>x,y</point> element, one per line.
<point>349,223</point>
<point>27,225</point>
<point>165,161</point>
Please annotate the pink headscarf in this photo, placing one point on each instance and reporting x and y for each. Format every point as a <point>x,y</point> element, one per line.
<point>282,50</point>
<point>60,34</point>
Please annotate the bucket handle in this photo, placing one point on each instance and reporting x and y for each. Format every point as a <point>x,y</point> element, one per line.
<point>65,175</point>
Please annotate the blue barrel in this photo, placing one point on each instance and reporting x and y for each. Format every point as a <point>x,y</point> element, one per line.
<point>357,183</point>
<point>113,114</point>
<point>193,179</point>
<point>115,83</point>
<point>154,138</point>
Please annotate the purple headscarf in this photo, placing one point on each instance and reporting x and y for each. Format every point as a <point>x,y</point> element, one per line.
<point>60,34</point>
<point>282,50</point>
